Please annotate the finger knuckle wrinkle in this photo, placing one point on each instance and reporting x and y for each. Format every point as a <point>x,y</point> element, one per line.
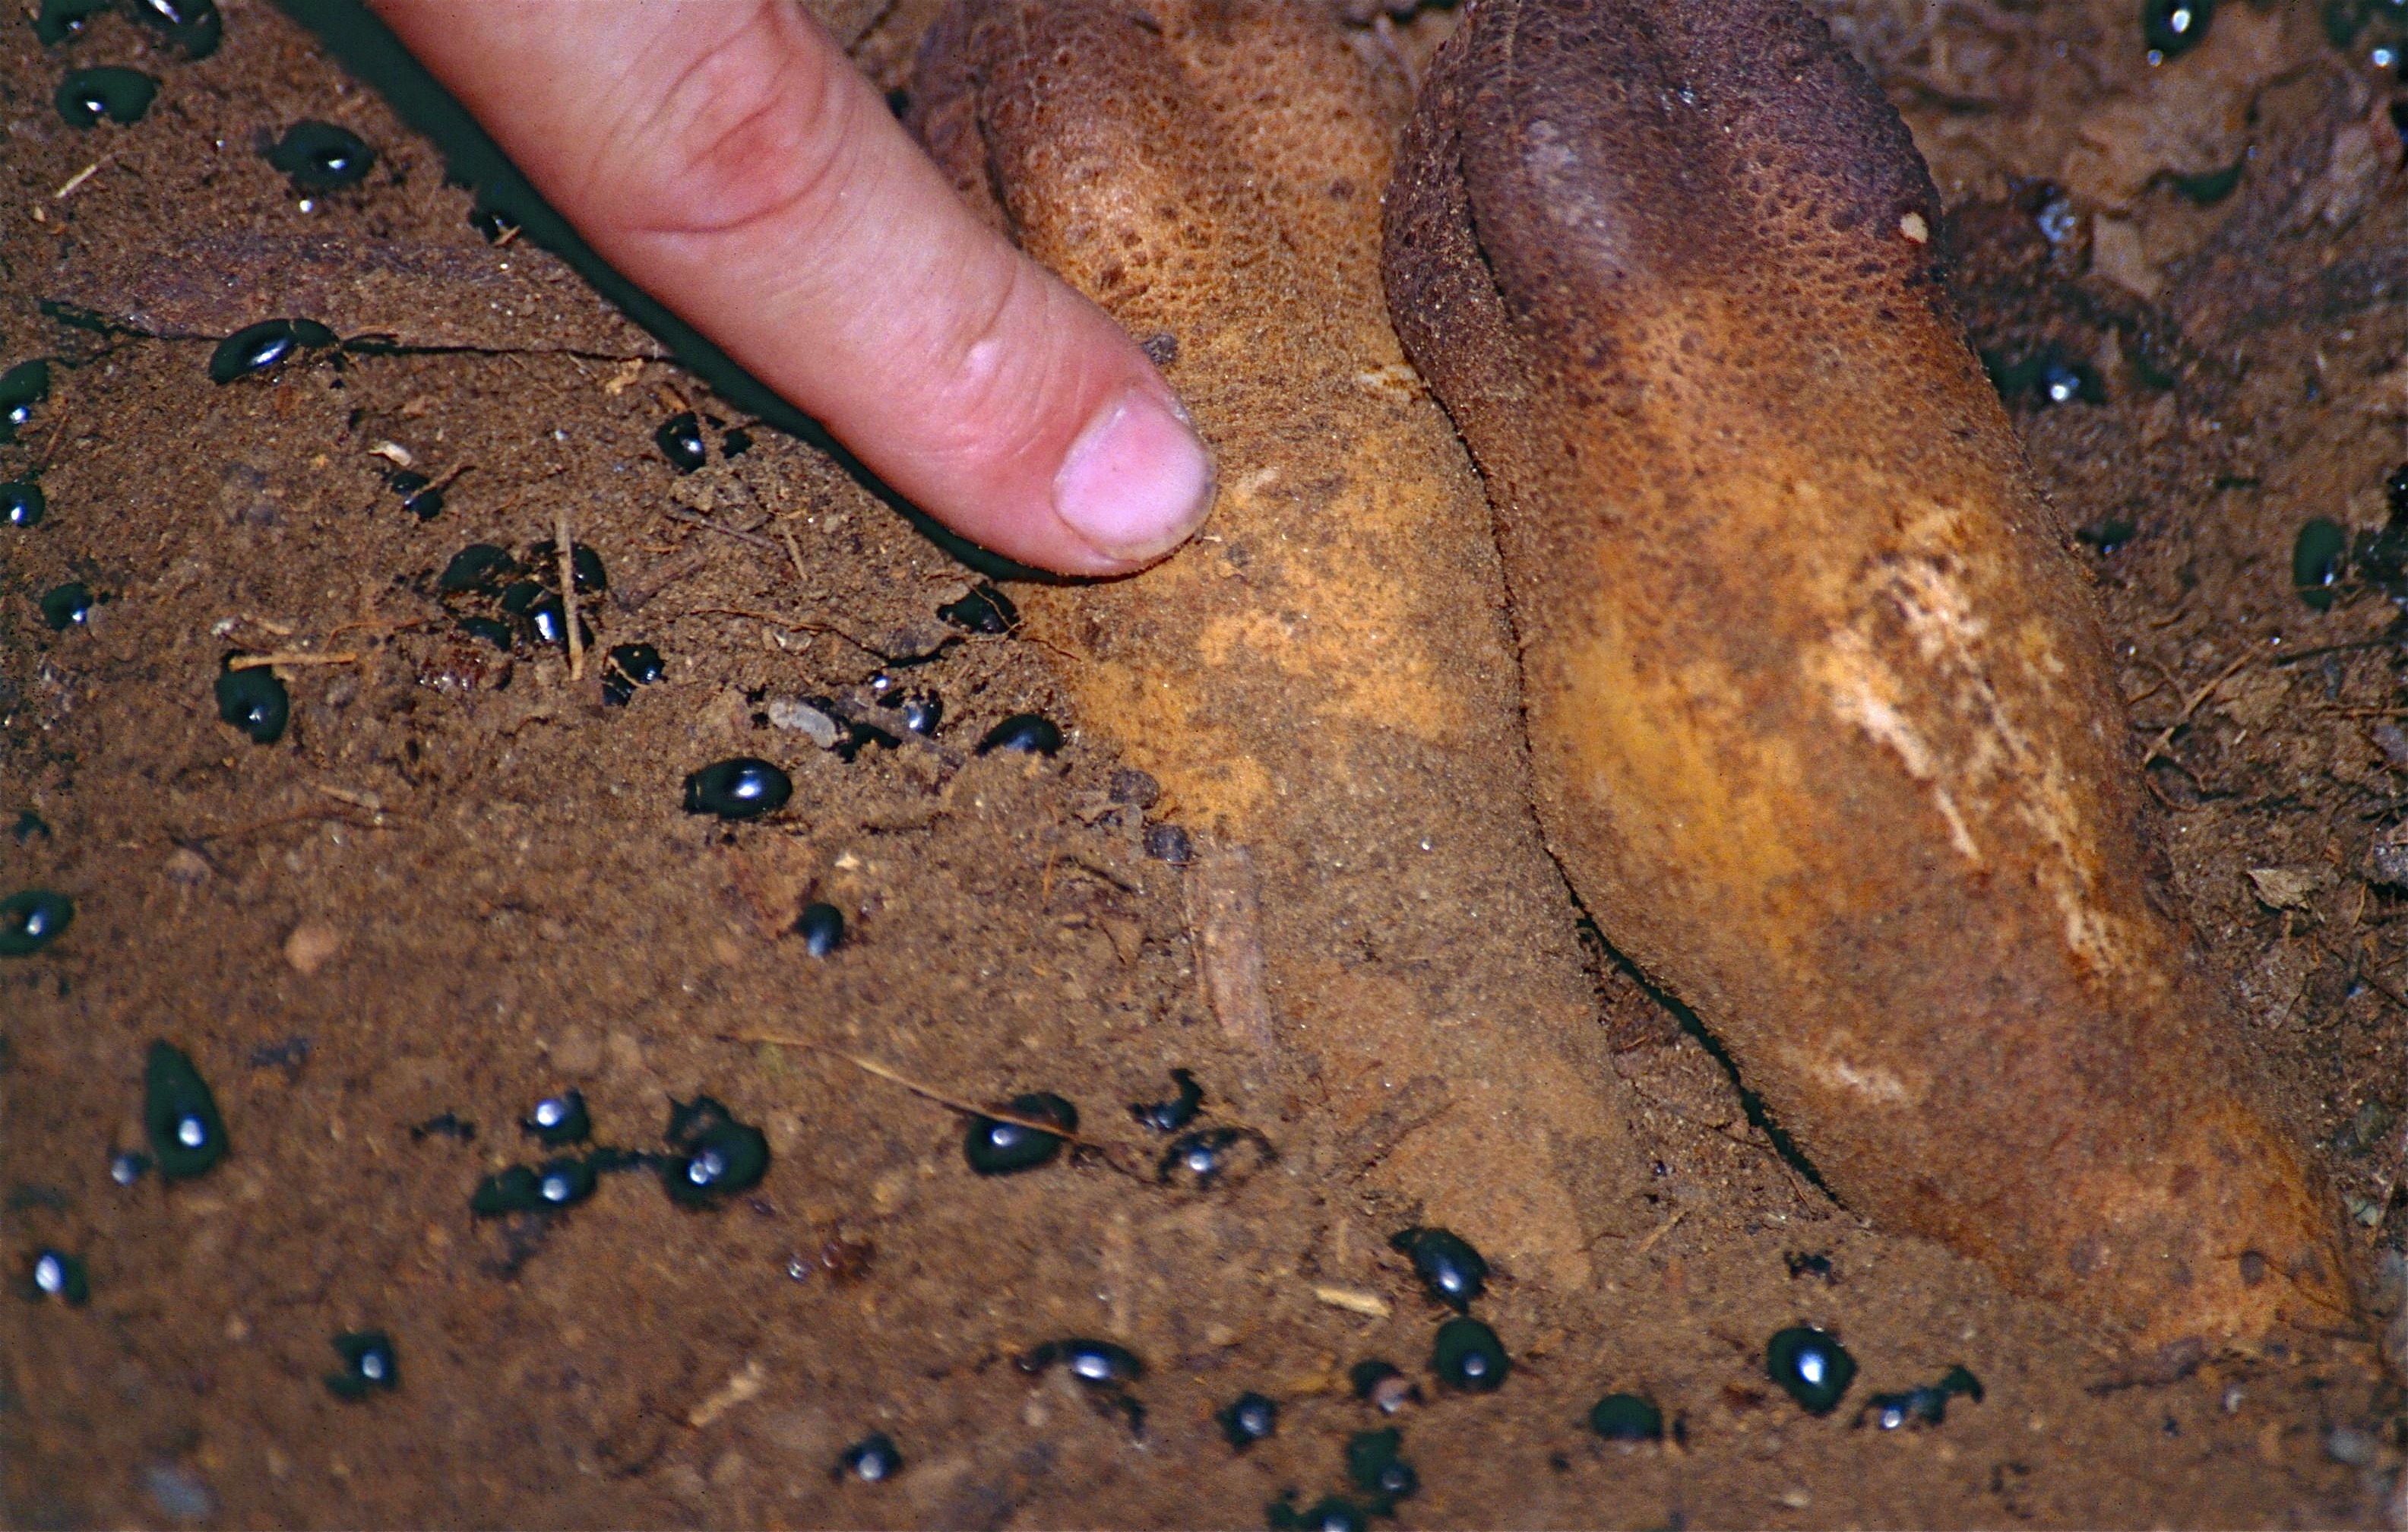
<point>751,130</point>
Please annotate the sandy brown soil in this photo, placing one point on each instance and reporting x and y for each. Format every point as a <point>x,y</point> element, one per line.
<point>446,891</point>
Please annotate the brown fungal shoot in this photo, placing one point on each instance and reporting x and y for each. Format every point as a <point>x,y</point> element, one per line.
<point>1322,682</point>
<point>1820,710</point>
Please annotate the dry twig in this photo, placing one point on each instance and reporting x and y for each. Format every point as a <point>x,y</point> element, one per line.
<point>568,592</point>
<point>950,1103</point>
<point>252,662</point>
<point>2166,736</point>
<point>697,518</point>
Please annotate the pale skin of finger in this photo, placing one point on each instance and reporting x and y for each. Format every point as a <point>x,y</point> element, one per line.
<point>726,157</point>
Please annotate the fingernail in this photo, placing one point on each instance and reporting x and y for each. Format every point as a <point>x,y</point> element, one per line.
<point>1137,481</point>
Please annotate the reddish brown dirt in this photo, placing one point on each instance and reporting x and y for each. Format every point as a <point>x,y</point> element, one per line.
<point>514,902</point>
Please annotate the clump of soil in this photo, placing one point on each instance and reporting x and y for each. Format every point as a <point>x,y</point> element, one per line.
<point>461,881</point>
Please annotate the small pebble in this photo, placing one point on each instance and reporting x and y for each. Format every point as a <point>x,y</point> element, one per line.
<point>254,701</point>
<point>873,1460</point>
<point>679,440</point>
<point>121,96</point>
<point>32,919</point>
<point>1810,1366</point>
<point>743,787</point>
<point>260,349</point>
<point>1450,1271</point>
<point>1169,843</point>
<point>179,1115</point>
<point>1176,1113</point>
<point>23,502</point>
<point>369,1365</point>
<point>812,722</point>
<point>1028,733</point>
<point>822,928</point>
<point>2390,1294</point>
<point>321,157</point>
<point>1248,1419</point>
<point>56,1274</point>
<point>2349,1445</point>
<point>66,605</point>
<point>1003,1149</point>
<point>1133,789</point>
<point>310,947</point>
<point>181,1495</point>
<point>1627,1417</point>
<point>713,1154</point>
<point>558,1120</point>
<point>1469,1356</point>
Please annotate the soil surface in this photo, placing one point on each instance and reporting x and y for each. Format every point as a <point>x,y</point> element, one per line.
<point>462,880</point>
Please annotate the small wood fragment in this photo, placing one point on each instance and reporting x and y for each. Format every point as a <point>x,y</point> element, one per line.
<point>745,1383</point>
<point>1225,922</point>
<point>1353,1299</point>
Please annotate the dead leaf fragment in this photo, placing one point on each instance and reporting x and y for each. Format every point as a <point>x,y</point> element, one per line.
<point>2286,887</point>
